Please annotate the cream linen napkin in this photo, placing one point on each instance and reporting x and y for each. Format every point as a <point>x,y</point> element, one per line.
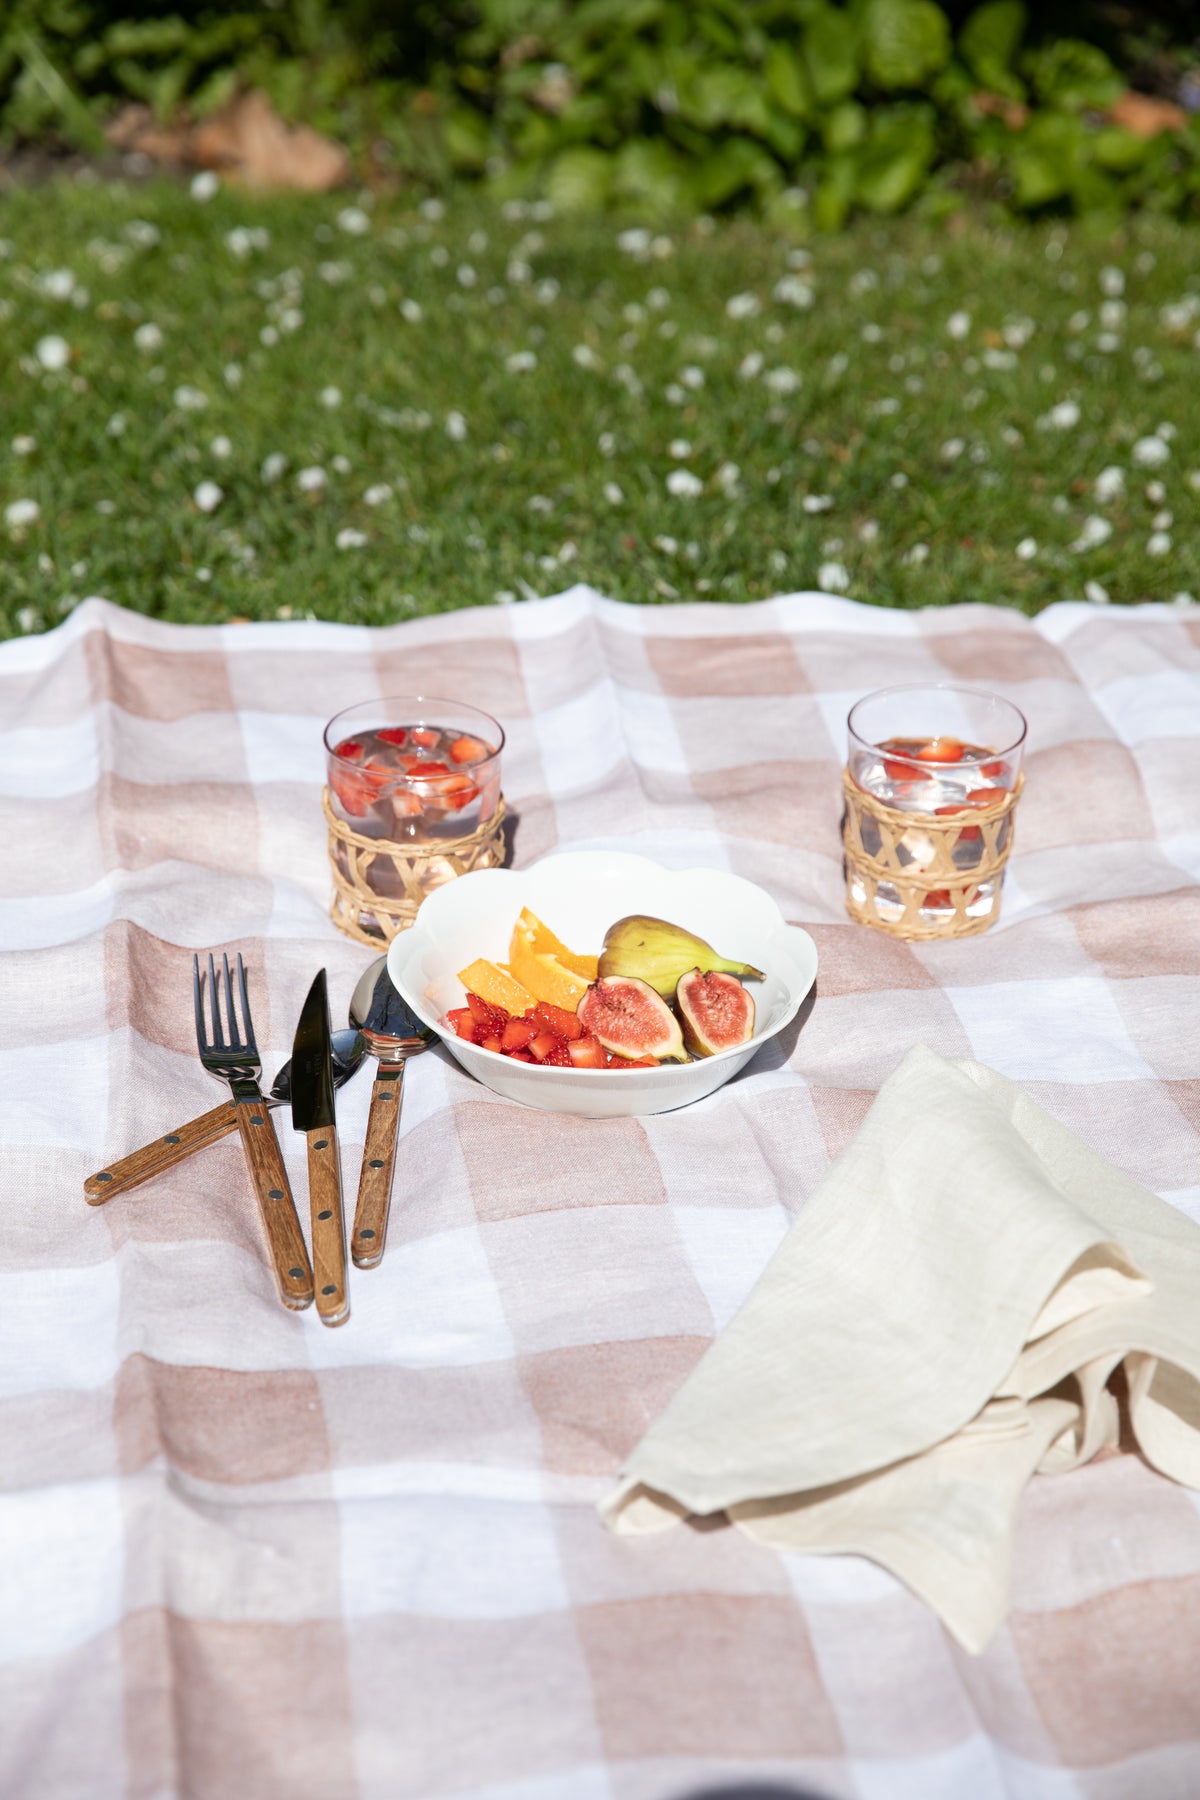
<point>941,1320</point>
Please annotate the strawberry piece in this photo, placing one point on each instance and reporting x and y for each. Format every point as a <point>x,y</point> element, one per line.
<point>985,797</point>
<point>557,1019</point>
<point>544,1045</point>
<point>634,1062</point>
<point>426,738</point>
<point>351,790</point>
<point>994,770</point>
<point>455,1014</point>
<point>492,1043</point>
<point>423,771</point>
<point>939,899</point>
<point>941,750</point>
<point>518,1056</point>
<point>466,1027</point>
<point>492,1018</point>
<point>468,749</point>
<point>406,806</point>
<point>897,771</point>
<point>350,750</point>
<point>586,1053</point>
<point>517,1033</point>
<point>393,734</point>
<point>559,1057</point>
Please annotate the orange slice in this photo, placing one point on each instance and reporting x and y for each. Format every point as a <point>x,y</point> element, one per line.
<point>497,987</point>
<point>546,944</point>
<point>545,977</point>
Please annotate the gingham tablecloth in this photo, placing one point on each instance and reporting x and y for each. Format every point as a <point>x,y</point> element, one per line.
<point>244,1556</point>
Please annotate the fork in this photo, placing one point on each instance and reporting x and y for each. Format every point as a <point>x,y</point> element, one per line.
<point>239,1063</point>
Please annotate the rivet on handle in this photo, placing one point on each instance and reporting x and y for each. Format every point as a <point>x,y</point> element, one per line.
<point>104,1176</point>
<point>296,1274</point>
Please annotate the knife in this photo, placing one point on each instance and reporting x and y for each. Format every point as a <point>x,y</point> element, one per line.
<point>313,1114</point>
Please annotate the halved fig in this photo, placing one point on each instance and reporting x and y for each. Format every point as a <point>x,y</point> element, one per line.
<point>631,1020</point>
<point>716,1010</point>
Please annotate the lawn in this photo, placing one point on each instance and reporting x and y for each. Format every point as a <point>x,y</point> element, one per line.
<point>239,407</point>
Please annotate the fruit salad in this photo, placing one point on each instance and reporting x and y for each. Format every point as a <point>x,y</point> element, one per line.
<point>654,994</point>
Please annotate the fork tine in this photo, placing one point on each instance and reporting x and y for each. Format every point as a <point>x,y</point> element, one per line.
<point>201,1039</point>
<point>235,1038</point>
<point>249,1022</point>
<point>214,1002</point>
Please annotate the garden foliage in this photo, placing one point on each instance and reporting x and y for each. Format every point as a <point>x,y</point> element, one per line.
<point>658,105</point>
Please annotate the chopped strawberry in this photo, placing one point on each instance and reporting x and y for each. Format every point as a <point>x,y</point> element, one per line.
<point>492,1043</point>
<point>426,738</point>
<point>587,1053</point>
<point>941,750</point>
<point>994,770</point>
<point>518,1056</point>
<point>898,771</point>
<point>939,899</point>
<point>455,1014</point>
<point>492,1018</point>
<point>557,1019</point>
<point>406,806</point>
<point>422,771</point>
<point>559,1057</point>
<point>465,1027</point>
<point>543,1045</point>
<point>468,749</point>
<point>393,734</point>
<point>351,790</point>
<point>517,1033</point>
<point>349,750</point>
<point>634,1062</point>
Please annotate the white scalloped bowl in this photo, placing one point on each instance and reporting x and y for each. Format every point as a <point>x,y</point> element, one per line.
<point>579,894</point>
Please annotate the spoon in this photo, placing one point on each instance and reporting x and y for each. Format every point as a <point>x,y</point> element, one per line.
<point>393,1033</point>
<point>349,1048</point>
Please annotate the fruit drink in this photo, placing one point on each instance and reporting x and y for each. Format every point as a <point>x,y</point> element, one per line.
<point>414,783</point>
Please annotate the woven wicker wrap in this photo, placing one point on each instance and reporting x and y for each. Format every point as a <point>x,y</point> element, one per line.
<point>882,848</point>
<point>406,873</point>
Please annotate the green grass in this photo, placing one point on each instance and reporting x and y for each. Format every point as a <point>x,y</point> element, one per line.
<point>916,459</point>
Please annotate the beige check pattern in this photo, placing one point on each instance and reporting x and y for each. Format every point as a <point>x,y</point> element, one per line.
<point>245,1557</point>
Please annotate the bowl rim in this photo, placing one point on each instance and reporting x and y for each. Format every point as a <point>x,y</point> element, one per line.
<point>408,943</point>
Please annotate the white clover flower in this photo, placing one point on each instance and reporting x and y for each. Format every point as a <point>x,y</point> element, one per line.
<point>205,185</point>
<point>273,466</point>
<point>958,325</point>
<point>330,397</point>
<point>57,284</point>
<point>1112,281</point>
<point>871,333</point>
<point>24,446</point>
<point>783,380</point>
<point>268,336</point>
<point>585,356</point>
<point>833,577</point>
<point>28,619</point>
<point>53,352</point>
<point>546,292</point>
<point>635,242</point>
<point>951,449</point>
<point>868,531</point>
<point>518,272</point>
<point>456,426</point>
<point>674,395</point>
<point>334,273</point>
<point>680,449</point>
<point>1166,431</point>
<point>466,275</point>
<point>232,374</point>
<point>353,221</point>
<point>743,306</point>
<point>915,556</point>
<point>504,597</point>
<point>20,513</point>
<point>613,494</point>
<point>728,477</point>
<point>1027,549</point>
<point>1112,314</point>
<point>606,443</point>
<point>999,359</point>
<point>751,365</point>
<point>1063,417</point>
<point>668,545</point>
<point>311,480</point>
<point>349,539</point>
<point>886,407</point>
<point>1099,596</point>
<point>899,479</point>
<point>1163,521</point>
<point>863,280</point>
<point>818,503</point>
<point>148,338</point>
<point>1158,543</point>
<point>208,496</point>
<point>1096,531</point>
<point>378,494</point>
<point>189,399</point>
<point>244,239</point>
<point>143,234</point>
<point>411,310</point>
<point>691,376</point>
<point>1183,599</point>
<point>291,319</point>
<point>683,484</point>
<point>791,291</point>
<point>1156,493</point>
<point>520,362</point>
<point>1109,485</point>
<point>1151,453</point>
<point>342,465</point>
<point>432,210</point>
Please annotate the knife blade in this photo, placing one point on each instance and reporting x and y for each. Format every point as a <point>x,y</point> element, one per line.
<point>313,1114</point>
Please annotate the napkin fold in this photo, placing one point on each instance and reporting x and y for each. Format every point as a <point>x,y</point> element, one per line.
<point>944,1318</point>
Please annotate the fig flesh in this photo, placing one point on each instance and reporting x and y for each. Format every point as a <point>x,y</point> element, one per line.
<point>631,1020</point>
<point>716,1010</point>
<point>657,952</point>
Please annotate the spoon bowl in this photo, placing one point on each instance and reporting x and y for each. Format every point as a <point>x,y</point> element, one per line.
<point>349,1047</point>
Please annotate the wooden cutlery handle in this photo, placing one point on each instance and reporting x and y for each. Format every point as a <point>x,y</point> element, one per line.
<point>328,1226</point>
<point>289,1257</point>
<point>379,1158</point>
<point>151,1159</point>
